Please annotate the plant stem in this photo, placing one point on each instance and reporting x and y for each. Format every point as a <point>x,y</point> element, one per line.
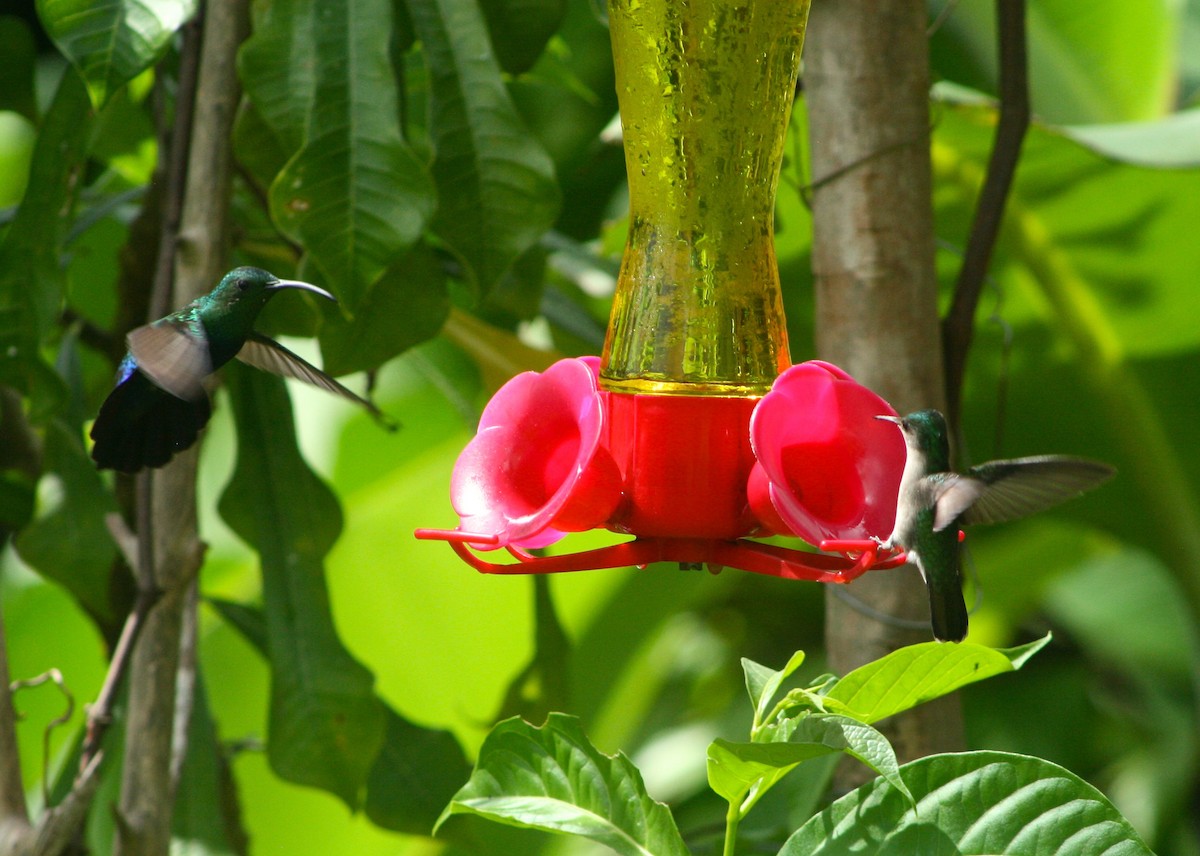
<point>732,818</point>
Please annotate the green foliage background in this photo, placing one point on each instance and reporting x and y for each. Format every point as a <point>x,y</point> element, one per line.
<point>449,166</point>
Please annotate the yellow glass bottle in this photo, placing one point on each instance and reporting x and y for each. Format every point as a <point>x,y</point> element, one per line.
<point>705,90</point>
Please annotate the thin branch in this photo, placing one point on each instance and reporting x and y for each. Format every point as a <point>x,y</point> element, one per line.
<point>958,327</point>
<point>14,813</point>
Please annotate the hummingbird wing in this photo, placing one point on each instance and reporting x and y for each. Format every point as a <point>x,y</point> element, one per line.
<point>1005,490</point>
<point>267,354</point>
<point>174,355</point>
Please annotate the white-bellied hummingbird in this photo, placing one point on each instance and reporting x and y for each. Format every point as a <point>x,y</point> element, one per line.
<point>934,501</point>
<point>160,401</point>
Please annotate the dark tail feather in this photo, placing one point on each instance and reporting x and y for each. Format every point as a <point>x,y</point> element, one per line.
<point>140,425</point>
<point>948,613</point>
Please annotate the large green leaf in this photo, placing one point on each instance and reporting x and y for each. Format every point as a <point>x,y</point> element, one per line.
<point>326,724</point>
<point>973,803</point>
<point>496,186</point>
<point>277,65</point>
<point>355,195</point>
<point>915,674</point>
<point>1114,62</point>
<point>206,820</point>
<point>1112,238</point>
<point>69,541</point>
<point>31,277</point>
<point>113,41</point>
<point>417,769</point>
<point>415,775</point>
<point>406,306</point>
<point>553,778</point>
<point>520,29</point>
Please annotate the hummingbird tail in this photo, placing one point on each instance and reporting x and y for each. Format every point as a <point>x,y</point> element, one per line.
<point>948,613</point>
<point>140,425</point>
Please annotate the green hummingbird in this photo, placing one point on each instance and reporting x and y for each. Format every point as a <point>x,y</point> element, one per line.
<point>933,502</point>
<point>160,401</point>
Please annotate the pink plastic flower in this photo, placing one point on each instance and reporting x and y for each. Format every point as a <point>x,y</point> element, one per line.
<point>827,468</point>
<point>535,469</point>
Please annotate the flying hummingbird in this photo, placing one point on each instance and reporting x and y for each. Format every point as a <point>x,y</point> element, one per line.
<point>934,501</point>
<point>160,401</point>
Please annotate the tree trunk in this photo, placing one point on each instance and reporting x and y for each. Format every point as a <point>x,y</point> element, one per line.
<point>866,78</point>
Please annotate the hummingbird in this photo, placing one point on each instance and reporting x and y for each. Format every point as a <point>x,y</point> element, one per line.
<point>933,502</point>
<point>160,401</point>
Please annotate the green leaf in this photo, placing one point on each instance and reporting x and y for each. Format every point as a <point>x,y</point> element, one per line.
<point>1106,245</point>
<point>417,769</point>
<point>326,724</point>
<point>354,195</point>
<point>1116,64</point>
<point>977,803</point>
<point>406,306</point>
<point>552,778</point>
<point>520,29</point>
<point>277,66</point>
<point>496,186</point>
<point>742,773</point>
<point>69,541</point>
<point>763,683</point>
<point>1171,142</point>
<point>1139,593</point>
<point>31,277</point>
<point>918,673</point>
<point>112,41</point>
<point>207,817</point>
<point>415,775</point>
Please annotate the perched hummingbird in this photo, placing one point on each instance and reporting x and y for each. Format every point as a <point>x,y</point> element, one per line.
<point>934,501</point>
<point>160,401</point>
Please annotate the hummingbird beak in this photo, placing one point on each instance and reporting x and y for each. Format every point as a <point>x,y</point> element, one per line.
<point>895,420</point>
<point>281,284</point>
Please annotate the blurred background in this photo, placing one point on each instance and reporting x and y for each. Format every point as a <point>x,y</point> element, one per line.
<point>1088,343</point>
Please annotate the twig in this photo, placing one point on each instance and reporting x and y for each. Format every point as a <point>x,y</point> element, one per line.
<point>14,813</point>
<point>958,326</point>
<point>52,676</point>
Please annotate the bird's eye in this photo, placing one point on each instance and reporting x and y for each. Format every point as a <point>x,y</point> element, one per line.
<point>243,284</point>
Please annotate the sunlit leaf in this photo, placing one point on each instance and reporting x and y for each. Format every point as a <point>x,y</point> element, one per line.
<point>915,674</point>
<point>1114,63</point>
<point>552,778</point>
<point>1170,142</point>
<point>496,185</point>
<point>742,773</point>
<point>326,725</point>
<point>112,41</point>
<point>975,802</point>
<point>763,683</point>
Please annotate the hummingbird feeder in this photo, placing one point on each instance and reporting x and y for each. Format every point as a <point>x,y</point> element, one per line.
<point>692,432</point>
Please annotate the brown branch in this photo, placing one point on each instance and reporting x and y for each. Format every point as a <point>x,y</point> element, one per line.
<point>958,327</point>
<point>198,256</point>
